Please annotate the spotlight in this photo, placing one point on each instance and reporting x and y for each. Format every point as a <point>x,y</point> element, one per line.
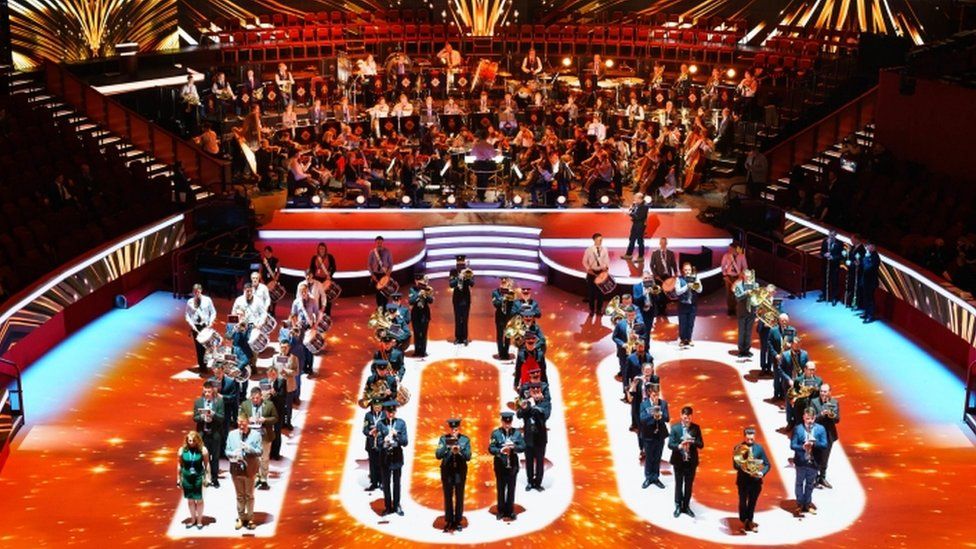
<point>730,73</point>
<point>360,201</point>
<point>604,201</point>
<point>317,200</point>
<point>567,61</point>
<point>648,200</point>
<point>693,69</point>
<point>609,63</point>
<point>451,201</point>
<point>517,201</point>
<point>405,201</point>
<point>561,201</point>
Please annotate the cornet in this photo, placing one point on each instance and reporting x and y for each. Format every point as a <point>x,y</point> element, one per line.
<point>467,274</point>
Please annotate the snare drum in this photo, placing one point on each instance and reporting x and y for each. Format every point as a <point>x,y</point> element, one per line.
<point>324,324</point>
<point>268,325</point>
<point>605,282</point>
<point>258,341</point>
<point>387,286</point>
<point>314,342</point>
<point>208,337</point>
<point>332,290</point>
<point>669,288</point>
<point>276,291</point>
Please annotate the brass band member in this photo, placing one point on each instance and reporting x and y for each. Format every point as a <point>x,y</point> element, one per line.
<point>454,452</point>
<point>461,281</point>
<point>506,444</point>
<point>687,287</point>
<point>745,311</point>
<point>392,433</point>
<point>534,411</point>
<point>370,429</point>
<point>792,361</point>
<point>777,343</point>
<point>380,265</point>
<point>684,441</point>
<point>200,314</point>
<point>285,82</point>
<point>733,265</point>
<point>635,375</point>
<point>421,297</point>
<point>751,465</point>
<point>808,442</point>
<point>627,334</point>
<point>654,418</point>
<point>828,415</point>
<point>503,300</point>
<point>596,260</point>
<point>664,265</point>
<point>807,386</point>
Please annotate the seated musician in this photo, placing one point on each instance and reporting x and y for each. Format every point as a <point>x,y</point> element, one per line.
<point>368,65</point>
<point>289,118</point>
<point>483,105</point>
<point>596,129</point>
<point>450,57</point>
<point>222,89</point>
<point>299,178</point>
<point>657,76</point>
<point>354,173</point>
<point>635,111</point>
<point>377,111</point>
<point>428,112</point>
<point>250,82</point>
<point>345,112</point>
<point>508,104</point>
<point>602,176</point>
<point>208,140</point>
<point>670,115</point>
<point>531,65</point>
<point>538,100</point>
<point>317,114</point>
<point>451,107</point>
<point>400,64</point>
<point>571,108</point>
<point>403,107</point>
<point>683,82</point>
<point>711,89</point>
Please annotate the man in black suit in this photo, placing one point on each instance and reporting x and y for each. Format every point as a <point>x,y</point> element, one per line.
<point>684,441</point>
<point>208,413</point>
<point>870,266</point>
<point>664,265</point>
<point>832,251</point>
<point>230,393</point>
<point>725,134</point>
<point>654,418</point>
<point>828,415</point>
<point>638,220</point>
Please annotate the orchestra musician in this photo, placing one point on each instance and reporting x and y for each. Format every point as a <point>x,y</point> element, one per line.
<point>596,260</point>
<point>682,84</point>
<point>503,301</point>
<point>452,60</point>
<point>200,314</point>
<point>377,111</point>
<point>191,101</point>
<point>380,265</point>
<point>710,93</point>
<point>828,414</point>
<point>685,440</point>
<point>807,442</point>
<point>451,107</point>
<point>400,315</point>
<point>654,419</point>
<point>251,82</point>
<point>345,112</point>
<point>643,298</point>
<point>285,82</point>
<point>454,453</point>
<point>657,76</point>
<point>634,110</point>
<point>461,282</point>
<point>534,411</point>
<point>506,443</point>
<point>483,105</point>
<point>687,286</point>
<point>421,297</point>
<point>403,107</point>
<point>664,265</point>
<point>749,483</point>
<point>223,92</point>
<point>746,91</point>
<point>367,66</point>
<point>531,65</point>
<point>392,432</point>
<point>638,224</point>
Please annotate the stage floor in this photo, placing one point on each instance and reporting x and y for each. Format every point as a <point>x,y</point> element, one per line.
<point>107,409</point>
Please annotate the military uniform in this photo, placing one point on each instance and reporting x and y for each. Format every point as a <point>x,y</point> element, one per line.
<point>504,311</point>
<point>371,421</point>
<point>461,299</point>
<point>526,361</point>
<point>534,416</point>
<point>392,439</point>
<point>454,472</point>
<point>420,319</point>
<point>506,466</point>
<point>400,329</point>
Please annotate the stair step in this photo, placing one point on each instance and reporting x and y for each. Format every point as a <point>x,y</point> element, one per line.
<point>812,167</point>
<point>784,181</point>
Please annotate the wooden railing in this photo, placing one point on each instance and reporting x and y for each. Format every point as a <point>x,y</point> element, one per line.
<point>776,262</point>
<point>166,147</point>
<point>819,136</point>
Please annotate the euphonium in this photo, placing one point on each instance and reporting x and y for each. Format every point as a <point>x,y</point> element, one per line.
<point>614,310</point>
<point>804,391</point>
<point>515,329</point>
<point>379,321</point>
<point>743,459</point>
<point>379,389</point>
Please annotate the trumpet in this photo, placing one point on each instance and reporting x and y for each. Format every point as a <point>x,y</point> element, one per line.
<point>830,411</point>
<point>744,460</point>
<point>467,274</point>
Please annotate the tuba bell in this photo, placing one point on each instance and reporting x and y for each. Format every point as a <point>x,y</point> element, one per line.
<point>804,391</point>
<point>515,330</point>
<point>379,389</point>
<point>379,322</point>
<point>742,457</point>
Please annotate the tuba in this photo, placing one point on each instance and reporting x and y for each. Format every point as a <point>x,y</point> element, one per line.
<point>761,298</point>
<point>804,391</point>
<point>515,330</point>
<point>379,322</point>
<point>379,389</point>
<point>614,310</point>
<point>743,459</point>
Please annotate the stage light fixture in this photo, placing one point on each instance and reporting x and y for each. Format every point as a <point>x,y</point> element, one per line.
<point>609,63</point>
<point>561,201</point>
<point>360,201</point>
<point>604,201</point>
<point>567,61</point>
<point>693,69</point>
<point>517,201</point>
<point>730,73</point>
<point>405,201</point>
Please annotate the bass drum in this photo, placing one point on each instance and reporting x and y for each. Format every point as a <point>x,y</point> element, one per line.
<point>605,283</point>
<point>268,325</point>
<point>332,290</point>
<point>258,341</point>
<point>208,337</point>
<point>387,286</point>
<point>669,287</point>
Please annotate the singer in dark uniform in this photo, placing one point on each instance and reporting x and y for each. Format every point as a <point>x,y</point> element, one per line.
<point>684,441</point>
<point>534,412</point>
<point>392,439</point>
<point>454,451</point>
<point>638,220</point>
<point>831,251</point>
<point>506,444</point>
<point>503,300</point>
<point>461,282</point>
<point>370,428</point>
<point>421,296</point>
<point>749,484</point>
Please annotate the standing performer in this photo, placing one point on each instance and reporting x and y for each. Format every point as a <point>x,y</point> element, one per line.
<point>792,362</point>
<point>421,296</point>
<point>304,315</point>
<point>684,441</point>
<point>454,451</point>
<point>733,265</point>
<point>380,266</point>
<point>596,260</point>
<point>529,357</point>
<point>828,415</point>
<point>389,352</point>
<point>831,250</point>
<point>638,372</point>
<point>807,442</point>
<point>627,334</point>
<point>506,444</point>
<point>687,287</point>
<point>654,418</point>
<point>644,295</point>
<point>270,273</point>
<point>778,341</point>
<point>261,292</point>
<point>462,280</point>
<point>868,282</point>
<point>853,263</point>
<point>638,224</point>
<point>243,449</point>
<point>664,266</point>
<point>200,314</point>
<point>751,465</point>
<point>807,383</point>
<point>208,413</point>
<point>323,268</point>
<point>503,300</point>
<point>745,311</point>
<point>393,439</point>
<point>373,447</point>
<point>534,412</point>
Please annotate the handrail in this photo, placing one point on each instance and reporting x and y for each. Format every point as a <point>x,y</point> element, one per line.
<point>142,133</point>
<point>18,409</point>
<point>820,135</point>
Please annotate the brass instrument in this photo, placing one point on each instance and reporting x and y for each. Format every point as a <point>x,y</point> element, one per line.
<point>632,339</point>
<point>615,311</point>
<point>804,391</point>
<point>696,284</point>
<point>379,389</point>
<point>515,330</point>
<point>467,274</point>
<point>744,460</point>
<point>830,411</point>
<point>761,299</point>
<point>379,322</point>
<point>509,295</point>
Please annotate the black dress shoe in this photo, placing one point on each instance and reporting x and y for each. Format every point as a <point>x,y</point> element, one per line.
<point>499,516</point>
<point>457,527</point>
<point>825,484</point>
<point>677,511</point>
<point>513,516</point>
<point>647,482</point>
<point>659,484</point>
<point>399,511</point>
<point>386,512</point>
<point>215,483</point>
<point>689,512</point>
<point>539,488</point>
<point>528,487</point>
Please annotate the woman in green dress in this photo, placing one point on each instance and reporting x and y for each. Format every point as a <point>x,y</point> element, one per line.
<point>192,474</point>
